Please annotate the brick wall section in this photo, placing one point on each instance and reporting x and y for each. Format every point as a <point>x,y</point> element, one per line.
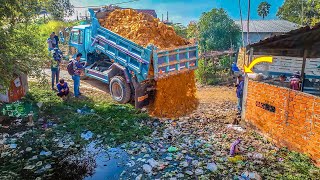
<point>296,121</point>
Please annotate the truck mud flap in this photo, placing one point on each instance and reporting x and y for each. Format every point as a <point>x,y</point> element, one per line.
<point>142,96</point>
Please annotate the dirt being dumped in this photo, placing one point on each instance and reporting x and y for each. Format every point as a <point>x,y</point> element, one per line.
<point>175,96</point>
<point>142,29</point>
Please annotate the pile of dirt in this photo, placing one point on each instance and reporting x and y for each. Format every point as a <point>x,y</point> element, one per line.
<point>142,29</point>
<point>175,96</point>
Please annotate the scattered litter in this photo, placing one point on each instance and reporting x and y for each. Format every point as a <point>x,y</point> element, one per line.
<point>88,135</point>
<point>39,163</point>
<point>234,149</point>
<point>172,149</point>
<point>85,110</point>
<point>28,149</point>
<point>212,167</point>
<point>235,159</point>
<point>29,167</point>
<point>235,127</point>
<point>147,168</point>
<point>45,153</point>
<point>13,146</point>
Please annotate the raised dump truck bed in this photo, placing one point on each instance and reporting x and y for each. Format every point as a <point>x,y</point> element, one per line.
<point>129,60</point>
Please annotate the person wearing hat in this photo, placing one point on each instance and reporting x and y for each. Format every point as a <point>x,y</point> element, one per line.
<point>295,82</point>
<point>55,66</point>
<point>240,86</point>
<point>78,67</point>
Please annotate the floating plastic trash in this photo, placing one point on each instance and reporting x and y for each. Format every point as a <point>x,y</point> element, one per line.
<point>88,135</point>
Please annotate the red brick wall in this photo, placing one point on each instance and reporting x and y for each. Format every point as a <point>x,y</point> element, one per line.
<point>294,124</point>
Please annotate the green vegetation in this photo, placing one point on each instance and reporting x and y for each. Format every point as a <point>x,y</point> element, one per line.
<point>214,72</point>
<point>292,10</point>
<point>217,31</point>
<point>115,123</point>
<point>23,49</point>
<point>264,9</point>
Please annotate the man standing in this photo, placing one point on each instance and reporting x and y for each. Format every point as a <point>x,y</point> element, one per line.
<point>77,67</point>
<point>240,86</point>
<point>55,66</point>
<point>56,38</point>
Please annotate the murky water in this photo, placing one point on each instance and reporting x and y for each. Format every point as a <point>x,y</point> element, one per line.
<point>109,163</point>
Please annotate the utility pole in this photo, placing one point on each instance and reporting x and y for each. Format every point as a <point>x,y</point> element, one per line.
<point>248,22</point>
<point>302,12</point>
<point>241,23</point>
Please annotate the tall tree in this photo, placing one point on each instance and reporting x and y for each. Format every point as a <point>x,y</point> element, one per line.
<point>21,48</point>
<point>305,12</point>
<point>264,9</point>
<point>217,31</point>
<point>59,9</point>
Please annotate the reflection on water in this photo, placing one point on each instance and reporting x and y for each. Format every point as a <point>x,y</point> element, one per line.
<point>109,164</point>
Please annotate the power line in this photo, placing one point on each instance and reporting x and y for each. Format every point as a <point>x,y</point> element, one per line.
<point>103,5</point>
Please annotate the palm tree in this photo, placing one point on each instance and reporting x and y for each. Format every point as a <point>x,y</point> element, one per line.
<point>264,9</point>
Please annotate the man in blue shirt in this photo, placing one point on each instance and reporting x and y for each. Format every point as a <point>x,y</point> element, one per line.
<point>240,87</point>
<point>77,67</point>
<point>62,88</point>
<point>234,68</point>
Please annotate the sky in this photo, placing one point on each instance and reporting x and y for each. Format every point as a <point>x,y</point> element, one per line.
<point>184,11</point>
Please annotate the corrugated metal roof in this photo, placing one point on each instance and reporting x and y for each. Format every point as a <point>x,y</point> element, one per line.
<point>268,26</point>
<point>303,38</point>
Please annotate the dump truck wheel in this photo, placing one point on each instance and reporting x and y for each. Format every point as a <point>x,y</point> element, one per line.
<point>120,90</point>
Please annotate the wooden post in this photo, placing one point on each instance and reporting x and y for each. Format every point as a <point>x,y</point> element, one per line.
<point>245,89</point>
<point>305,54</point>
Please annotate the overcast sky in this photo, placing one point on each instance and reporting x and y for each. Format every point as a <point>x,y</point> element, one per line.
<point>184,11</point>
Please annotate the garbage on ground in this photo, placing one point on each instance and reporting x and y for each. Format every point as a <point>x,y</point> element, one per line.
<point>235,159</point>
<point>88,135</point>
<point>235,127</point>
<point>15,109</point>
<point>172,149</point>
<point>234,149</point>
<point>45,153</point>
<point>13,146</point>
<point>85,110</point>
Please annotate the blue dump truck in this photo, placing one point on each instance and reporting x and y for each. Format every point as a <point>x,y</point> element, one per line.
<point>129,70</point>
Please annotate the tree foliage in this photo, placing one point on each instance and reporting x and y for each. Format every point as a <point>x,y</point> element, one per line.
<point>217,31</point>
<point>181,30</point>
<point>192,30</point>
<point>58,9</point>
<point>292,10</point>
<point>264,9</point>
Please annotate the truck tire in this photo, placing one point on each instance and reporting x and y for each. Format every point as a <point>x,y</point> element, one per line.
<point>120,90</point>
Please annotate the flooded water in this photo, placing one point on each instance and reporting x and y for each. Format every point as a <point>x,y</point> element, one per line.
<point>109,163</point>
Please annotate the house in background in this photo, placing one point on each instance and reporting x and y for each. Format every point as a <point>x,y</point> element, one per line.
<point>148,11</point>
<point>262,29</point>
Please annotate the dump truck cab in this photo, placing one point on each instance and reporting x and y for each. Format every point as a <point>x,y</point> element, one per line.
<point>79,41</point>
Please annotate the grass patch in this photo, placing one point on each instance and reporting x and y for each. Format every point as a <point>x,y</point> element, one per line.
<point>114,123</point>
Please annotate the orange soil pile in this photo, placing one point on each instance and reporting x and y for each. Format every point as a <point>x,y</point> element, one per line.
<point>142,29</point>
<point>175,96</point>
